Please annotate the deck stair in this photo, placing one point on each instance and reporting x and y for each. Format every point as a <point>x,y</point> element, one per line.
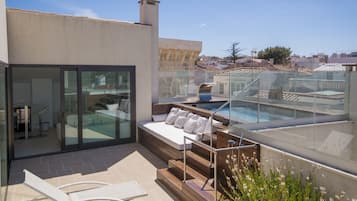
<point>199,176</point>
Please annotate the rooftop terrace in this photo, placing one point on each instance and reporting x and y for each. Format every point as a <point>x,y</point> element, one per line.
<point>114,164</point>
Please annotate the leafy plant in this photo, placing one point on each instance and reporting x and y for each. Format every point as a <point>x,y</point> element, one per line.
<point>248,182</point>
<point>279,54</point>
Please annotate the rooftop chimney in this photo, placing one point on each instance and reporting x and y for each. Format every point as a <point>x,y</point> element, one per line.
<point>149,15</point>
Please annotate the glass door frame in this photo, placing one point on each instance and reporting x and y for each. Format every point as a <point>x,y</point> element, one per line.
<point>62,108</point>
<point>104,68</point>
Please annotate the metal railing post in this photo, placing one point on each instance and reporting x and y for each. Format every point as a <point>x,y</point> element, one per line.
<point>211,141</point>
<point>211,134</point>
<point>215,152</point>
<point>215,174</point>
<point>184,159</point>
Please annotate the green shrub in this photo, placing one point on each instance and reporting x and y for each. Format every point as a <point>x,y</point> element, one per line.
<point>248,182</point>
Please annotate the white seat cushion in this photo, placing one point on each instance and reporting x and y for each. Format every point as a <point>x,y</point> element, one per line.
<point>170,134</point>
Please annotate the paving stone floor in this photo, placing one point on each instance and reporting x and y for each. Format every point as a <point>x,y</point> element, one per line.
<point>113,164</point>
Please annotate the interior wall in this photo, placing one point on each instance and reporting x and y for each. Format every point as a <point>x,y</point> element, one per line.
<point>3,33</point>
<point>42,38</point>
<point>21,93</point>
<point>37,88</point>
<point>42,94</point>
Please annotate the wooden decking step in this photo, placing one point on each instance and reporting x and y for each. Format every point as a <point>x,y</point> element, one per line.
<point>165,176</point>
<point>171,182</point>
<point>199,163</point>
<point>200,190</point>
<point>177,168</point>
<point>200,151</point>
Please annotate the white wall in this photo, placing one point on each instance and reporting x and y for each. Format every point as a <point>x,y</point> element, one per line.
<point>41,38</point>
<point>149,14</point>
<point>333,180</point>
<point>3,33</point>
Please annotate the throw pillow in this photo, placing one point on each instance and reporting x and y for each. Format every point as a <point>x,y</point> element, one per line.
<point>190,115</point>
<point>174,110</point>
<point>190,126</point>
<point>171,118</point>
<point>201,124</point>
<point>180,121</point>
<point>112,107</point>
<point>182,113</point>
<point>208,127</point>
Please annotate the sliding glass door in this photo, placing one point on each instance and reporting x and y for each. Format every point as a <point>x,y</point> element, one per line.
<point>3,135</point>
<point>70,107</point>
<point>99,106</point>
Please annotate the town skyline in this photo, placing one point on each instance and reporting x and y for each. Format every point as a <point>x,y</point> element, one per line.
<point>307,27</point>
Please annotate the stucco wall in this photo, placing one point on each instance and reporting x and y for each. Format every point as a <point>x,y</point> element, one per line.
<point>3,33</point>
<point>41,38</point>
<point>333,180</point>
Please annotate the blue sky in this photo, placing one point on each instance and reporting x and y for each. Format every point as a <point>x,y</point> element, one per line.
<point>306,26</point>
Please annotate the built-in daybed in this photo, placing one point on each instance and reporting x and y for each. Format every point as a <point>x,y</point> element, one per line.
<point>166,140</point>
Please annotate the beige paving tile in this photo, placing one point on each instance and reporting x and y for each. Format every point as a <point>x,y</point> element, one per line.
<point>110,164</point>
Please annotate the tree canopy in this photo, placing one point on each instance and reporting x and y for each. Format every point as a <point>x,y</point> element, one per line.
<point>279,54</point>
<point>234,51</point>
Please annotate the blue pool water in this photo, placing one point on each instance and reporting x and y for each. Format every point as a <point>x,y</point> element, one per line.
<point>247,112</point>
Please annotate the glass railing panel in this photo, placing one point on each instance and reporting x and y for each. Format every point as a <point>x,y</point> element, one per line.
<point>182,85</point>
<point>303,113</point>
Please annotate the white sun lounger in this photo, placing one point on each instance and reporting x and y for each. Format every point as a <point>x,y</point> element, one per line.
<point>116,192</point>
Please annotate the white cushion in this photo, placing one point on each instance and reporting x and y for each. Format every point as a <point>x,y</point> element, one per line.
<point>190,125</point>
<point>124,105</point>
<point>159,117</point>
<point>180,121</point>
<point>182,113</point>
<point>169,134</point>
<point>174,110</point>
<point>208,127</point>
<point>171,118</point>
<point>201,124</point>
<point>112,107</point>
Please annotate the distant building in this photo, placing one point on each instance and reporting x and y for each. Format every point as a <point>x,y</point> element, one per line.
<point>330,67</point>
<point>343,60</point>
<point>322,58</point>
<point>354,54</point>
<point>178,54</point>
<point>305,62</point>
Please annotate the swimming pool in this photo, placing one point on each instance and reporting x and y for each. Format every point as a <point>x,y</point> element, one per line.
<point>245,112</point>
